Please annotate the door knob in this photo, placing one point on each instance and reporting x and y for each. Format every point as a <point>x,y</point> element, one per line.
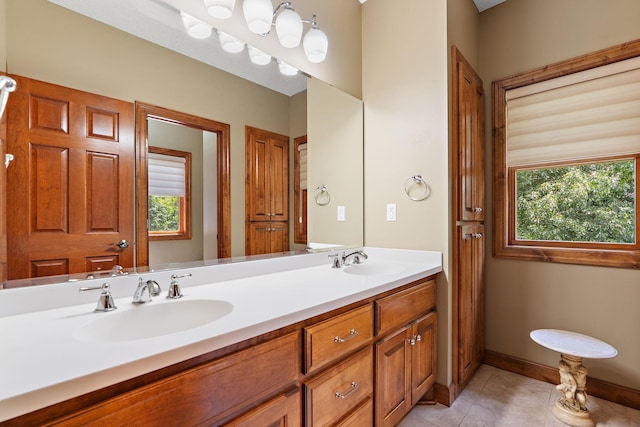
<point>123,244</point>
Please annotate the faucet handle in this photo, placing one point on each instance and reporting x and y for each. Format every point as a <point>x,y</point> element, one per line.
<point>337,260</point>
<point>105,301</point>
<point>154,288</point>
<point>174,288</point>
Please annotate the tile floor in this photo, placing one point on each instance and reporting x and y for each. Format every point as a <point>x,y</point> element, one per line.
<point>497,398</point>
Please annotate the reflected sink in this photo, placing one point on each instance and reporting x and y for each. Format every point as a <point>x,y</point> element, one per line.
<point>372,269</point>
<point>149,320</point>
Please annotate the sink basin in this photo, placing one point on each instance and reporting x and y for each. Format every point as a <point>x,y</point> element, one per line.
<point>152,320</point>
<point>372,269</point>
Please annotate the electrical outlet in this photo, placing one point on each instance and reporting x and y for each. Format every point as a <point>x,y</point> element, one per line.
<point>391,211</point>
<point>341,213</point>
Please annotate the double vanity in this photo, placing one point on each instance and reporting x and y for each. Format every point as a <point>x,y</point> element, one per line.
<point>251,342</point>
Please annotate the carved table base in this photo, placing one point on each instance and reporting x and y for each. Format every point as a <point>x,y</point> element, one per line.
<point>571,408</point>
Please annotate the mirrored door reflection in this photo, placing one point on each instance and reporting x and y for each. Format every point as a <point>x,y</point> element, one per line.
<point>201,242</point>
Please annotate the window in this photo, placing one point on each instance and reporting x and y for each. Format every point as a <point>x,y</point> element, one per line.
<point>169,203</point>
<point>566,159</point>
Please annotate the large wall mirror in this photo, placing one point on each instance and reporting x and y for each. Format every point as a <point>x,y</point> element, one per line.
<point>49,42</point>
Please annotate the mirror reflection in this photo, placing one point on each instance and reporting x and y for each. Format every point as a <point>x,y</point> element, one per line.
<point>37,31</point>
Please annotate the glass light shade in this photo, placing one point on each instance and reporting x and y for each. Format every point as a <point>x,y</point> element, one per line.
<point>258,57</point>
<point>289,28</point>
<point>195,27</point>
<point>229,43</point>
<point>315,45</point>
<point>258,14</point>
<point>221,9</point>
<point>287,69</point>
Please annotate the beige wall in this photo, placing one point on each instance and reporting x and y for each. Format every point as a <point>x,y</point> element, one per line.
<point>50,43</point>
<point>517,36</point>
<point>334,150</point>
<point>404,87</point>
<point>3,35</point>
<point>298,126</point>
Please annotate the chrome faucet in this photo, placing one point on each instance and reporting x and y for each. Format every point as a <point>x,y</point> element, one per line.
<point>105,301</point>
<point>145,291</point>
<point>355,256</point>
<point>342,260</point>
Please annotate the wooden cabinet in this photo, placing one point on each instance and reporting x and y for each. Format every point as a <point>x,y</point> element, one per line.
<point>469,213</point>
<point>204,394</point>
<point>470,300</point>
<point>406,352</point>
<point>342,393</point>
<point>323,371</point>
<point>334,338</point>
<point>337,391</point>
<point>266,191</point>
<point>267,237</point>
<point>282,411</point>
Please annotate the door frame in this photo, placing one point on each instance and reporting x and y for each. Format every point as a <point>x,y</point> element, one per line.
<point>222,130</point>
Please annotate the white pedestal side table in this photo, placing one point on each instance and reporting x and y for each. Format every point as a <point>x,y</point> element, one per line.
<point>571,408</point>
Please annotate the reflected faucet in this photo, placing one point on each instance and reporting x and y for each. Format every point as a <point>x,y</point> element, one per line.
<point>145,291</point>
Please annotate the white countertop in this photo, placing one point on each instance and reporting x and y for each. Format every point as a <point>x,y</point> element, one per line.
<point>43,361</point>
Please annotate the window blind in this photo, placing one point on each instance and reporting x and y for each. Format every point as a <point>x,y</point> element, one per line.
<point>302,150</point>
<point>166,175</point>
<point>586,115</point>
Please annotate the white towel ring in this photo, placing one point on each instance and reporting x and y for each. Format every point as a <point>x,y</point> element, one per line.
<point>417,180</point>
<point>321,195</point>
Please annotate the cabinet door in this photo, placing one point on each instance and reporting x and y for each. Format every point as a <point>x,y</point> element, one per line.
<point>267,176</point>
<point>470,300</point>
<point>470,133</point>
<point>282,411</point>
<point>393,378</point>
<point>279,236</point>
<point>423,355</point>
<point>258,238</point>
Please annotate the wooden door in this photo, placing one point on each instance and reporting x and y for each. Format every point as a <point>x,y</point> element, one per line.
<point>267,169</point>
<point>470,300</point>
<point>393,378</point>
<point>70,186</point>
<point>3,201</point>
<point>470,135</point>
<point>423,356</point>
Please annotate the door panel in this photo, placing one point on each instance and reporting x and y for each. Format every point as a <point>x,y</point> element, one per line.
<point>74,153</point>
<point>423,373</point>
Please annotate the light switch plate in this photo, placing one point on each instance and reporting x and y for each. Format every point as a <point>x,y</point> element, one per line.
<point>341,213</point>
<point>391,211</point>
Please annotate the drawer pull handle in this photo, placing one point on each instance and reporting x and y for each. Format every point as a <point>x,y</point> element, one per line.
<point>354,387</point>
<point>352,334</point>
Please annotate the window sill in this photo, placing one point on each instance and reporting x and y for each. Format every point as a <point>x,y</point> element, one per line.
<point>595,257</point>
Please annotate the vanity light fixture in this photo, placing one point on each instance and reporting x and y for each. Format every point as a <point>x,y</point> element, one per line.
<point>229,43</point>
<point>195,27</point>
<point>287,69</point>
<point>260,17</point>
<point>221,9</point>
<point>258,57</point>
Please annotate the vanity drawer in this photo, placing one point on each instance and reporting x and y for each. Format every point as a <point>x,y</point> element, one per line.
<point>401,308</point>
<point>335,393</point>
<point>327,341</point>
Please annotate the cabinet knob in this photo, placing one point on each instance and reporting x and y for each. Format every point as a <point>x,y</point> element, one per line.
<point>354,387</point>
<point>352,334</point>
<point>478,210</point>
<point>475,236</point>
